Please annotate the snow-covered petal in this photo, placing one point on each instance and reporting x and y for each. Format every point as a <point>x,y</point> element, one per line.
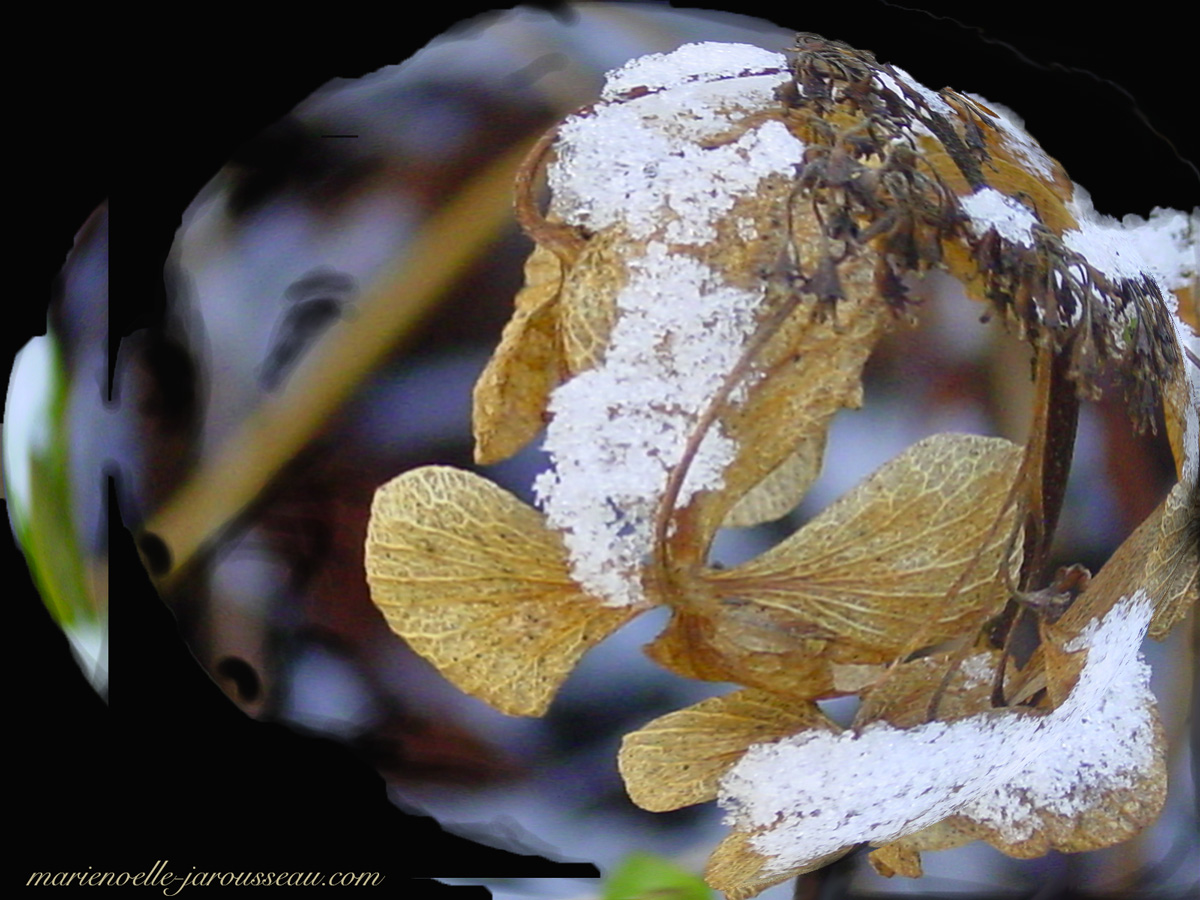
<point>815,793</point>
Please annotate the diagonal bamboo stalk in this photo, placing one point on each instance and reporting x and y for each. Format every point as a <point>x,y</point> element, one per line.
<point>227,482</point>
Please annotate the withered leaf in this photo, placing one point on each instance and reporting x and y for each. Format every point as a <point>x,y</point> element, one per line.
<point>736,868</point>
<point>476,583</point>
<point>510,396</point>
<point>1081,776</point>
<point>912,552</point>
<point>897,858</point>
<point>677,759</point>
<point>903,698</point>
<point>802,368</point>
<point>781,490</point>
<point>1161,557</point>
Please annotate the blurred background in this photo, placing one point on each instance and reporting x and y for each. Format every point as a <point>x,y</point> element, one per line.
<point>340,259</point>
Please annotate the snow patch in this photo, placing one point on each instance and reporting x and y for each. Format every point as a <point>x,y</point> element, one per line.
<point>1012,220</point>
<point>699,62</point>
<point>640,160</point>
<point>619,429</point>
<point>816,792</point>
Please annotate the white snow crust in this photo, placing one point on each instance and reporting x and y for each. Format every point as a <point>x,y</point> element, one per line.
<point>988,209</point>
<point>620,428</point>
<point>817,792</point>
<point>639,161</point>
<point>700,62</point>
<point>1103,241</point>
<point>1169,244</point>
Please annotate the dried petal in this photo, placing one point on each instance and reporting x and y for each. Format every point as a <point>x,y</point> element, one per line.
<point>476,583</point>
<point>917,549</point>
<point>809,369</point>
<point>896,858</point>
<point>511,394</point>
<point>1173,562</point>
<point>736,868</point>
<point>589,301</point>
<point>678,758</point>
<point>903,856</point>
<point>1083,775</point>
<point>1161,557</point>
<point>903,699</point>
<point>782,489</point>
<point>735,642</point>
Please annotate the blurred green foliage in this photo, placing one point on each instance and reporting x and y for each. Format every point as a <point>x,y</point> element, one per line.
<point>644,876</point>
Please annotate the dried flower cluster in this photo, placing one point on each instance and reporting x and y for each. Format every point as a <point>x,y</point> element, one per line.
<point>731,233</point>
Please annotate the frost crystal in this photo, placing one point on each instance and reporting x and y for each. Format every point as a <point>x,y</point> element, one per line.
<point>1169,242</point>
<point>1103,241</point>
<point>635,162</point>
<point>816,792</point>
<point>690,63</point>
<point>988,208</point>
<point>639,160</point>
<point>620,428</point>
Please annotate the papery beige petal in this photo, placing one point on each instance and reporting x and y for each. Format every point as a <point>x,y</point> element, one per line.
<point>510,396</point>
<point>1161,556</point>
<point>588,300</point>
<point>916,550</point>
<point>736,644</point>
<point>903,856</point>
<point>677,759</point>
<point>736,868</point>
<point>475,582</point>
<point>782,489</point>
<point>804,366</point>
<point>896,858</point>
<point>903,698</point>
<point>1105,816</point>
<point>1173,562</point>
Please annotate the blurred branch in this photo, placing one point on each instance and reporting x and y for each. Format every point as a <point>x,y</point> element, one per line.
<point>228,481</point>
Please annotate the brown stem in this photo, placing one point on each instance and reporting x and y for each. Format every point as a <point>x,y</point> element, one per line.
<point>561,239</point>
<point>666,507</point>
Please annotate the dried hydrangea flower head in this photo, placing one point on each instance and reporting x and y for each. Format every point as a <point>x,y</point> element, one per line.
<point>730,234</point>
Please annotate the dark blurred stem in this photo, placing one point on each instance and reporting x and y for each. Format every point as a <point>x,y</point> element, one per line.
<point>410,287</point>
<point>829,883</point>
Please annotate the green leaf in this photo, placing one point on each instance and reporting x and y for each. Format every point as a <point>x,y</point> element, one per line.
<point>644,876</point>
